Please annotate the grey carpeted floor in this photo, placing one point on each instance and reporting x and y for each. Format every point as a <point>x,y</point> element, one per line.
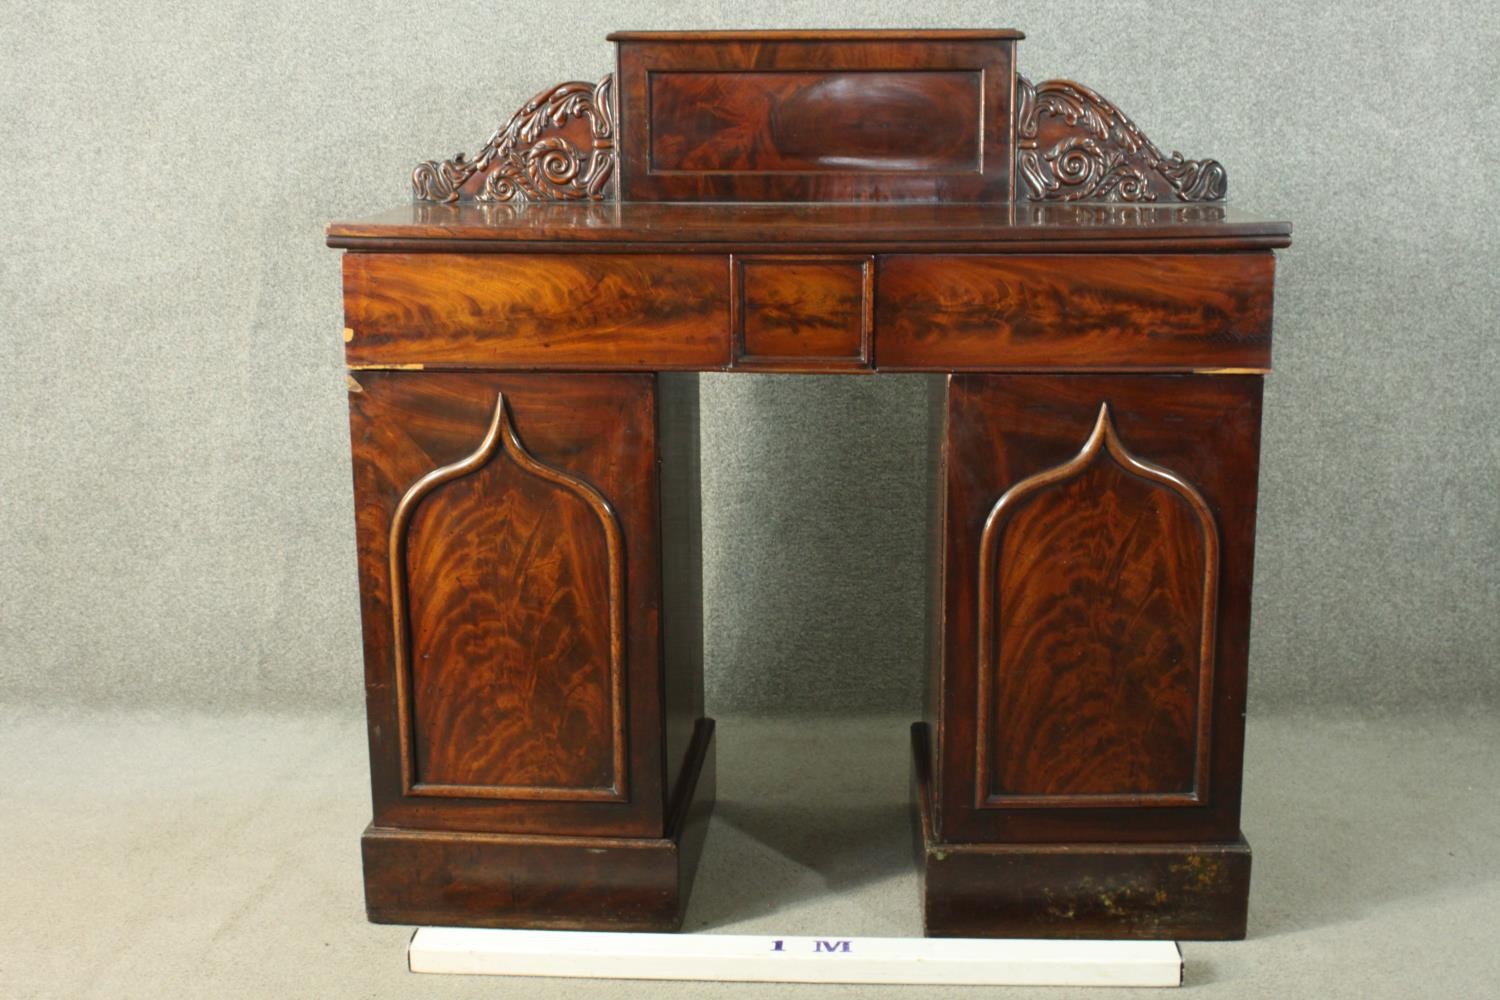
<point>216,856</point>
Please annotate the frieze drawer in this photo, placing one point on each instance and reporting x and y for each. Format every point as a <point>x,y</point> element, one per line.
<point>555,311</point>
<point>1158,312</point>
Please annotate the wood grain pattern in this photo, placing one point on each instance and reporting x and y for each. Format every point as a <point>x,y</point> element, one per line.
<point>1111,670</point>
<point>465,879</point>
<point>803,312</point>
<point>863,117</point>
<point>1097,594</point>
<point>711,103</point>
<point>932,312</point>
<point>809,121</point>
<point>530,566</point>
<point>792,227</point>
<point>537,311</point>
<point>1103,311</point>
<point>483,557</point>
<point>516,602</point>
<point>1188,890</point>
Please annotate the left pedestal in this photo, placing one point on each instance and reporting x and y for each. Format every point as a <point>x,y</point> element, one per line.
<point>530,585</point>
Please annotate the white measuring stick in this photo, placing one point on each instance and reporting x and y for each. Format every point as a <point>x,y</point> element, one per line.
<point>751,958</point>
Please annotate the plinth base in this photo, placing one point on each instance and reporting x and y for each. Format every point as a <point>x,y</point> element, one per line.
<point>1182,891</point>
<point>561,883</point>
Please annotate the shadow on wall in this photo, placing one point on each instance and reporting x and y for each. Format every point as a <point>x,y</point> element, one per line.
<point>815,506</point>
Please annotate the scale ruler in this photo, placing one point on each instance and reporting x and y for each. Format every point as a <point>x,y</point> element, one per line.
<point>756,958</point>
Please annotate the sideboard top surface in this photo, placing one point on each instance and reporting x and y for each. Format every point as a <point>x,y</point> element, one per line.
<point>868,226</point>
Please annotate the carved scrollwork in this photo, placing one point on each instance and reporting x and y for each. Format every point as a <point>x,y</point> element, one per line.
<point>559,147</point>
<point>1073,145</point>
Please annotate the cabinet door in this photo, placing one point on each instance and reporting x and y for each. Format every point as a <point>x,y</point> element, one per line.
<point>510,588</point>
<point>1098,540</point>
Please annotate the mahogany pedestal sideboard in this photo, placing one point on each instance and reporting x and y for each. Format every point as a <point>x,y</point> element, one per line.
<point>523,344</point>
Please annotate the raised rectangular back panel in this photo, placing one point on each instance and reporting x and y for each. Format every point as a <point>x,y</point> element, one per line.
<point>852,117</point>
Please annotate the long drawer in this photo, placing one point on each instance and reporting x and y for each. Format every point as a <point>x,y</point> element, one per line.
<point>978,312</point>
<point>542,311</point>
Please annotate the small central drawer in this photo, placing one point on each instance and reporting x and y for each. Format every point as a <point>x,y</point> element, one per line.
<point>803,312</point>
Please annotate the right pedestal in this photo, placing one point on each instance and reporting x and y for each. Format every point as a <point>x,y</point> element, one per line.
<point>1079,771</point>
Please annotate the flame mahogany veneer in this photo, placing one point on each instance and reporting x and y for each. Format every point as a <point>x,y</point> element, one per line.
<point>524,342</point>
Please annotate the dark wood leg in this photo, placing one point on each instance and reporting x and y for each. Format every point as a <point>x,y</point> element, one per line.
<point>533,652</point>
<point>1079,775</point>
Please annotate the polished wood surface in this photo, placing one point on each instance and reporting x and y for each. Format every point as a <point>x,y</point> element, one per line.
<point>1097,593</point>
<point>532,311</point>
<point>680,479</point>
<point>415,876</point>
<point>1182,890</point>
<point>1096,694</point>
<point>816,121</point>
<point>1104,311</point>
<point>524,344</point>
<point>802,312</point>
<point>811,312</point>
<point>531,676</point>
<point>859,117</point>
<point>498,696</point>
<point>769,115</point>
<point>667,227</point>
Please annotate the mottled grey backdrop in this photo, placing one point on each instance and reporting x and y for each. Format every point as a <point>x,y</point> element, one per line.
<point>176,521</point>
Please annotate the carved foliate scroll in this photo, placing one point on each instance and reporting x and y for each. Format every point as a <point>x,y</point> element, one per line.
<point>559,147</point>
<point>1073,145</point>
